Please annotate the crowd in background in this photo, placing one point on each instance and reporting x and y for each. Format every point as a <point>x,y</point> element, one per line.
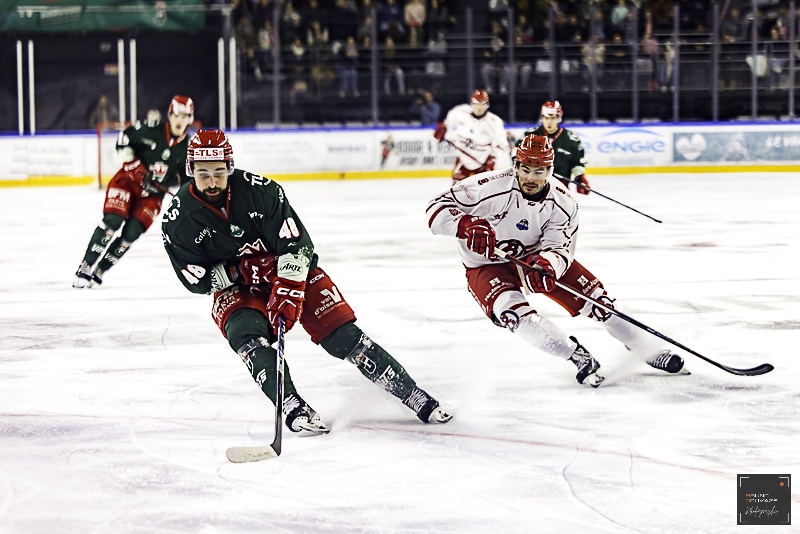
<point>326,44</point>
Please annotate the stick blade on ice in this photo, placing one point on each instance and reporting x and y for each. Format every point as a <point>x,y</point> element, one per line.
<point>239,455</point>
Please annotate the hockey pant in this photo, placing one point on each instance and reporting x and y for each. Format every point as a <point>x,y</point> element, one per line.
<point>498,289</point>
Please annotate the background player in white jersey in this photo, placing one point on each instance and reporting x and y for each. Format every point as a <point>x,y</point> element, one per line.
<point>529,215</point>
<point>478,136</point>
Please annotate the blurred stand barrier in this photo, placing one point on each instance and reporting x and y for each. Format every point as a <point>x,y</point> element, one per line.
<point>274,67</point>
<point>411,152</point>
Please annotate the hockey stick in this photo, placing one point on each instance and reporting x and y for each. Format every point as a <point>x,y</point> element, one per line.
<point>758,370</point>
<point>591,190</point>
<point>253,454</point>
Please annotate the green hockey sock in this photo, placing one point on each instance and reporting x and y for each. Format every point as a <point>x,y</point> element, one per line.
<point>249,334</point>
<point>349,343</point>
<point>132,230</point>
<point>97,244</point>
<point>261,360</point>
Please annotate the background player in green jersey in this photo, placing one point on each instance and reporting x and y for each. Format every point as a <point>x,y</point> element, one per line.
<point>234,234</point>
<point>570,164</point>
<point>153,156</point>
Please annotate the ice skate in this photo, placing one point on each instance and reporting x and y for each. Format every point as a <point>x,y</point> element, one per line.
<point>426,407</point>
<point>587,366</point>
<point>301,417</point>
<point>97,276</point>
<point>666,361</point>
<point>83,276</point>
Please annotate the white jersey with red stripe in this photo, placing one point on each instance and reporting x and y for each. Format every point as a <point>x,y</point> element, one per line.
<point>547,226</point>
<point>475,139</point>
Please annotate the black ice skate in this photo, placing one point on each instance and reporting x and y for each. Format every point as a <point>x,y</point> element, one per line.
<point>666,361</point>
<point>83,276</point>
<point>300,416</point>
<point>426,407</point>
<point>587,366</point>
<point>97,276</point>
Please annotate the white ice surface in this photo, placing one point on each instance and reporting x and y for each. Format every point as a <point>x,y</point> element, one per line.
<point>117,404</point>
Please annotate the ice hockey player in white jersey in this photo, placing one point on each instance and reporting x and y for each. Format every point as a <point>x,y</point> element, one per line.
<point>477,135</point>
<point>528,214</point>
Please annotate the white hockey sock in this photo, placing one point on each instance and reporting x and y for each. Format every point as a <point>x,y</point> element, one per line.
<point>543,334</point>
<point>513,309</point>
<point>634,338</point>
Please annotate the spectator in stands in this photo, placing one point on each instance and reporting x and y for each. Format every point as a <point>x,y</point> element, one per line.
<point>365,29</point>
<point>434,66</point>
<point>298,95</point>
<point>525,68</point>
<point>523,30</point>
<point>344,20</point>
<point>498,11</point>
<point>569,29</point>
<point>619,14</point>
<point>777,56</point>
<point>593,53</point>
<point>414,15</point>
<point>426,108</point>
<point>646,25</point>
<point>366,9</point>
<point>662,14</point>
<point>390,21</point>
<point>734,26</point>
<point>298,51</point>
<point>105,111</point>
<point>619,60</point>
<point>317,35</point>
<point>291,25</point>
<point>263,11</point>
<point>313,11</point>
<point>494,68</point>
<point>347,68</point>
<point>438,18</point>
<point>650,49</point>
<point>392,68</point>
<point>597,28</point>
<point>266,41</point>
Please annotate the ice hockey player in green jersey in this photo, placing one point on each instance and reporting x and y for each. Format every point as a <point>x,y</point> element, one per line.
<point>570,164</point>
<point>233,234</point>
<point>153,156</point>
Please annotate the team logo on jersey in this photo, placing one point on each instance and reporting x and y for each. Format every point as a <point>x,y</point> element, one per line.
<point>236,231</point>
<point>522,225</point>
<point>165,154</point>
<point>252,248</point>
<point>582,280</point>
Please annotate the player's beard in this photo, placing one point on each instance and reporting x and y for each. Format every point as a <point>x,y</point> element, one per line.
<point>212,195</point>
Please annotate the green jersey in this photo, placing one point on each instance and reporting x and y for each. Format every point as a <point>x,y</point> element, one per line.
<point>153,144</point>
<point>203,240</point>
<point>570,160</point>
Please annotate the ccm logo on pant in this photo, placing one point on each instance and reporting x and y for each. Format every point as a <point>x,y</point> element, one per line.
<point>294,293</point>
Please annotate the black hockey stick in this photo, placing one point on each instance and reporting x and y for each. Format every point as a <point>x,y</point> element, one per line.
<point>253,454</point>
<point>758,370</point>
<point>604,196</point>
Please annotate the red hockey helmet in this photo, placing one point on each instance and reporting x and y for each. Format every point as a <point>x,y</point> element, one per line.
<point>209,145</point>
<point>536,151</point>
<point>479,96</point>
<point>552,108</point>
<point>182,104</point>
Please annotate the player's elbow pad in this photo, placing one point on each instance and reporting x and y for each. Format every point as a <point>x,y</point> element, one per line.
<point>126,154</point>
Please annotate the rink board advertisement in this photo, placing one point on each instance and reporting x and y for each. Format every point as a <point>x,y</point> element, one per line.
<point>364,153</point>
<point>737,146</point>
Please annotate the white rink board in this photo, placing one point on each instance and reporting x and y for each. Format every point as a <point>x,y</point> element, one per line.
<point>117,404</point>
<point>634,148</point>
